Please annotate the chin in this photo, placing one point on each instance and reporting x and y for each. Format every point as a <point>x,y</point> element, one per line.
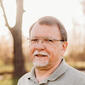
<point>39,64</point>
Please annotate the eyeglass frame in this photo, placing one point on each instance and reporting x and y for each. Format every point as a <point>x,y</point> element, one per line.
<point>44,39</point>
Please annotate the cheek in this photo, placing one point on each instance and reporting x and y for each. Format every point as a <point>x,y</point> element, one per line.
<point>60,51</point>
<point>31,50</point>
<point>54,52</point>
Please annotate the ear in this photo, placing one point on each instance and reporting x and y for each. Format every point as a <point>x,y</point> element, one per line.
<point>64,45</point>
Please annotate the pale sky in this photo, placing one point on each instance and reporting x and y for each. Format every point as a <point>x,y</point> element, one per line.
<point>61,9</point>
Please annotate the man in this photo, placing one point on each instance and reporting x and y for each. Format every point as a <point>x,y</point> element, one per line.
<point>48,42</point>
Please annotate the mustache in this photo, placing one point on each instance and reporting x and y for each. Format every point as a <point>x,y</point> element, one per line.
<point>40,53</point>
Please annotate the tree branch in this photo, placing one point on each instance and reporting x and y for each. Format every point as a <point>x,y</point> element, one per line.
<point>6,21</point>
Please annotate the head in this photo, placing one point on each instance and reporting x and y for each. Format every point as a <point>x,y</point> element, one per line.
<point>48,42</point>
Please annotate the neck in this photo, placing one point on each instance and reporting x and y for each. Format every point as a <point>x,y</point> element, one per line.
<point>45,72</point>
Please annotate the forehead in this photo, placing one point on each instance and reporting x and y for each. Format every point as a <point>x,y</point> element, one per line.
<point>45,31</point>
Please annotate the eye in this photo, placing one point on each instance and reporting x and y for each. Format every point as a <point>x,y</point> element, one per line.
<point>34,40</point>
<point>51,40</point>
<point>48,40</point>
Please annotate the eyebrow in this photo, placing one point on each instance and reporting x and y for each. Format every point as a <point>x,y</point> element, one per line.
<point>45,37</point>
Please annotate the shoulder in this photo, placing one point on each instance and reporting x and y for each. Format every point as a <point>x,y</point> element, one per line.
<point>24,78</point>
<point>77,76</point>
<point>75,71</point>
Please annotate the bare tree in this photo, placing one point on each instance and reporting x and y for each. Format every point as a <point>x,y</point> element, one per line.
<point>16,32</point>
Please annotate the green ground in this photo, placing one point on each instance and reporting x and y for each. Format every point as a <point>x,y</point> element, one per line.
<point>7,80</point>
<point>6,74</point>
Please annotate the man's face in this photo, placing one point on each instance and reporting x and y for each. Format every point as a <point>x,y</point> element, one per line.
<point>44,49</point>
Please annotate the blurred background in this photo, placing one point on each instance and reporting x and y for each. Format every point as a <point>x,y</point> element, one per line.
<point>16,17</point>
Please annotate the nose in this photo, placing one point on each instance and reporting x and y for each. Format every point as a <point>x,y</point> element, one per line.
<point>40,45</point>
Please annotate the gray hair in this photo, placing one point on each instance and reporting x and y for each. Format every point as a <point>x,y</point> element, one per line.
<point>49,20</point>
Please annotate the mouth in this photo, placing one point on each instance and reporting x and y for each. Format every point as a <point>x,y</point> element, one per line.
<point>39,55</point>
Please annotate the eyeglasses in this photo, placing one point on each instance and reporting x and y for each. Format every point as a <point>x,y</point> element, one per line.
<point>45,40</point>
